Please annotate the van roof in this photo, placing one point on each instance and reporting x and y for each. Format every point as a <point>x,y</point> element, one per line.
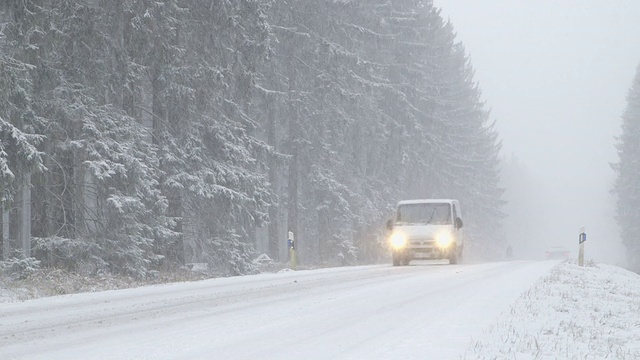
<point>427,201</point>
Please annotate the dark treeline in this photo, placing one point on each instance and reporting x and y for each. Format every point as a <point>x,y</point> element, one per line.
<point>627,186</point>
<point>137,134</point>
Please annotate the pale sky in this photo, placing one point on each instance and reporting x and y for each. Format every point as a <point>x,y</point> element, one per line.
<point>555,75</point>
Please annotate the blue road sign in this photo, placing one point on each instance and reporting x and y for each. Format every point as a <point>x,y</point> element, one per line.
<point>583,238</point>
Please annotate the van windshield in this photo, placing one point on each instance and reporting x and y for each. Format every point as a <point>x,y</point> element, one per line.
<point>428,213</point>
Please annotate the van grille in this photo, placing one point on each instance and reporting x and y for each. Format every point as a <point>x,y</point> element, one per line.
<point>422,243</point>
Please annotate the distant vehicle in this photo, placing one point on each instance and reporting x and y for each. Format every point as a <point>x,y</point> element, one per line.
<point>557,252</point>
<point>426,229</point>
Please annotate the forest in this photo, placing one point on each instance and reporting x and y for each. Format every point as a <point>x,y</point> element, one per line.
<point>140,135</point>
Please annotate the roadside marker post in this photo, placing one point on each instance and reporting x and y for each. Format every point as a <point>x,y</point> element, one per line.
<point>292,251</point>
<point>582,238</point>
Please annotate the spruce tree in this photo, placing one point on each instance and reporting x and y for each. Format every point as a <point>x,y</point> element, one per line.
<point>627,185</point>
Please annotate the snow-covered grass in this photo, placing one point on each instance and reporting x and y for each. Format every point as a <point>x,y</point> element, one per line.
<point>590,312</point>
<point>50,282</point>
<point>43,282</point>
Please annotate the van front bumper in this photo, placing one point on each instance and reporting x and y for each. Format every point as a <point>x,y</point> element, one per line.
<point>424,253</point>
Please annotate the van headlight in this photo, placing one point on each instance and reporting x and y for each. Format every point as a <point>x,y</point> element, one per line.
<point>444,239</point>
<point>398,240</point>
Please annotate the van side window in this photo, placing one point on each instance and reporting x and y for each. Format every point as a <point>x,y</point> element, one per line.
<point>455,212</point>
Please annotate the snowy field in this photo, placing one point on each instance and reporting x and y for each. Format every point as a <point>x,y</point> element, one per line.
<point>504,310</point>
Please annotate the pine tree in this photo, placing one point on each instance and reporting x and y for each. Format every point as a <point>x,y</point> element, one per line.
<point>19,131</point>
<point>19,154</point>
<point>627,186</point>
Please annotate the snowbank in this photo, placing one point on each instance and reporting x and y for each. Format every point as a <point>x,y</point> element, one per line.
<point>590,312</point>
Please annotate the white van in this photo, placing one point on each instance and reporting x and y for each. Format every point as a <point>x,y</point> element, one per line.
<point>426,229</point>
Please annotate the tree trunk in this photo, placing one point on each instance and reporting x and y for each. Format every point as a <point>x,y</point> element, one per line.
<point>274,220</point>
<point>189,234</point>
<point>292,213</point>
<point>89,203</point>
<point>129,90</point>
<point>158,109</point>
<point>6,244</point>
<point>25,216</point>
<point>49,212</point>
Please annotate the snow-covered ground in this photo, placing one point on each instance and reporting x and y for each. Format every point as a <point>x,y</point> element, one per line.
<point>590,312</point>
<point>504,310</point>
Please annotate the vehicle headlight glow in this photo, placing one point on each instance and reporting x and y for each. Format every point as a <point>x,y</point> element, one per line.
<point>398,240</point>
<point>444,239</point>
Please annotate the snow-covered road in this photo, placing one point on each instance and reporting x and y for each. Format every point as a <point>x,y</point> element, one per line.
<point>424,311</point>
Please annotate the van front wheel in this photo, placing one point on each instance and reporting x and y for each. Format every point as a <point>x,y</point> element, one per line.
<point>453,257</point>
<point>396,260</point>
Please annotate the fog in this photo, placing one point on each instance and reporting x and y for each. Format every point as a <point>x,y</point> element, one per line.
<point>555,75</point>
